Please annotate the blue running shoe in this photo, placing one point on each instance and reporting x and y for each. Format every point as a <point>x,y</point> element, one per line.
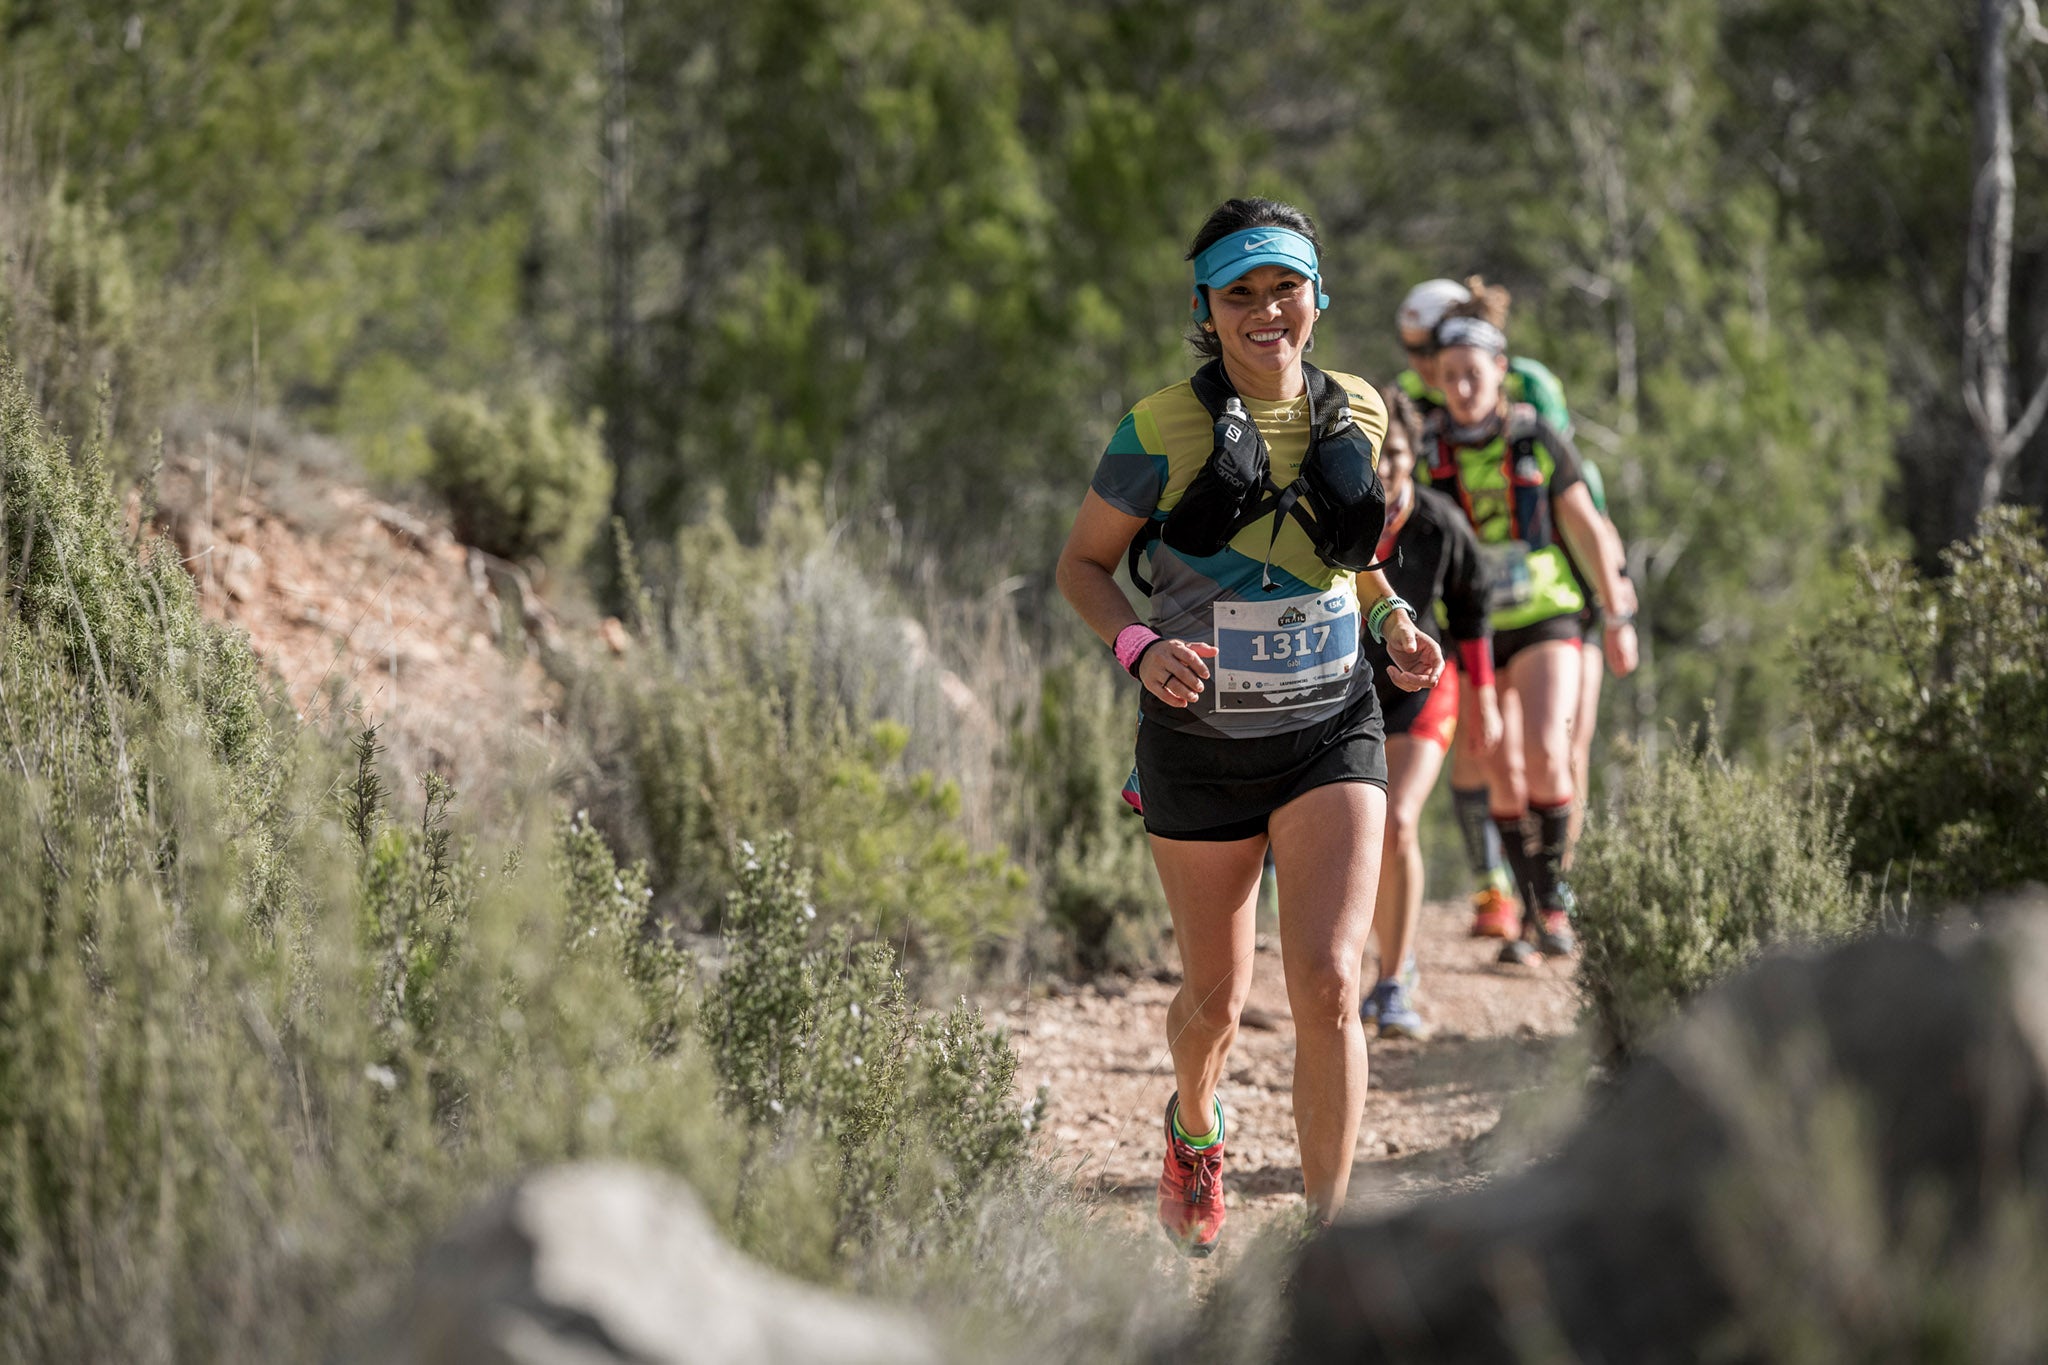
<point>1396,1012</point>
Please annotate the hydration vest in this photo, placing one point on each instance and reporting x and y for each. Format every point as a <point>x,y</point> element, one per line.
<point>1521,481</point>
<point>1337,497</point>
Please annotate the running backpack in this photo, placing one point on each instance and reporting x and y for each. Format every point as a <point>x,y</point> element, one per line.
<point>1528,494</point>
<point>1337,498</point>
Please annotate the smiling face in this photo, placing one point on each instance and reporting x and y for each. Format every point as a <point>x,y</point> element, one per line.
<point>1263,319</point>
<point>1471,381</point>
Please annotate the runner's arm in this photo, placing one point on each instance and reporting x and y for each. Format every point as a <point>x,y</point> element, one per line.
<point>1466,591</point>
<point>1587,537</point>
<point>1582,527</point>
<point>1174,670</point>
<point>1416,659</point>
<point>1088,563</point>
<point>1596,549</point>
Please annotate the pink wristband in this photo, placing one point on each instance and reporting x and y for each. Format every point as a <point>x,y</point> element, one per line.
<point>1131,642</point>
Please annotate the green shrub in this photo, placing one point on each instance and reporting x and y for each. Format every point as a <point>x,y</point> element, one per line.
<point>522,483</point>
<point>226,1134</point>
<point>1930,701</point>
<point>608,914</point>
<point>228,1126</point>
<point>127,625</point>
<point>128,621</point>
<point>892,858</point>
<point>822,1042</point>
<point>71,313</point>
<point>779,691</point>
<point>268,1027</point>
<point>1069,762</point>
<point>1703,865</point>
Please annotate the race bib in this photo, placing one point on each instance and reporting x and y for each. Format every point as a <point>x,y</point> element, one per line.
<point>1507,575</point>
<point>1299,651</point>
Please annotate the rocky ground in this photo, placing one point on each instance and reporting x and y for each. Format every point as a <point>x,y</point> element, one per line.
<point>1503,1044</point>
<point>364,610</point>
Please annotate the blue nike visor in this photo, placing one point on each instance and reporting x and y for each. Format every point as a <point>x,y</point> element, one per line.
<point>1229,257</point>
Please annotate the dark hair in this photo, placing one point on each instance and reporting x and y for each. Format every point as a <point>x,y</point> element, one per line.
<point>1235,215</point>
<point>1403,415</point>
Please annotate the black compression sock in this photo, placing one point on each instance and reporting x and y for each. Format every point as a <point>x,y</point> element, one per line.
<point>1482,841</point>
<point>1553,833</point>
<point>1517,834</point>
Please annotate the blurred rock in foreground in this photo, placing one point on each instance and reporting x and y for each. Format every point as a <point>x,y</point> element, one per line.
<point>589,1264</point>
<point>1841,1157</point>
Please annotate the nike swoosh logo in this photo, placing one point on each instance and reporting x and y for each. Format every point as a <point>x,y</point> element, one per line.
<point>1261,243</point>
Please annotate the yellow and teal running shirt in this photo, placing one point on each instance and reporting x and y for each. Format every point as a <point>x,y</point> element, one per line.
<point>1287,657</point>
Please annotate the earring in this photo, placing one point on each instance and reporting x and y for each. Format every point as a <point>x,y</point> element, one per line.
<point>1209,327</point>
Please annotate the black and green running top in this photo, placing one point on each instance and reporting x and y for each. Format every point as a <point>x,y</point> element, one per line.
<point>1528,381</point>
<point>1507,485</point>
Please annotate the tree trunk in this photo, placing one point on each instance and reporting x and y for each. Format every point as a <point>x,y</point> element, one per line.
<point>1987,288</point>
<point>618,387</point>
<point>1597,143</point>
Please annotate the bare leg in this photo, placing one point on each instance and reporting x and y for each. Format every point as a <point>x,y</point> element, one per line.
<point>1545,681</point>
<point>1592,672</point>
<point>1212,891</point>
<point>1412,768</point>
<point>1468,763</point>
<point>1507,772</point>
<point>1326,846</point>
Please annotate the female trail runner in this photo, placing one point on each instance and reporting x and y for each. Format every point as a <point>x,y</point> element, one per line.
<point>1519,482</point>
<point>1259,722</point>
<point>1496,906</point>
<point>1431,557</point>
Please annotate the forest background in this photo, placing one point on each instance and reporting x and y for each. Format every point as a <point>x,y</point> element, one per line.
<point>930,250</point>
<point>828,309</point>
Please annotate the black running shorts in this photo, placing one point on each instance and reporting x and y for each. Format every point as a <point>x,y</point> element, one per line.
<point>1508,643</point>
<point>1208,789</point>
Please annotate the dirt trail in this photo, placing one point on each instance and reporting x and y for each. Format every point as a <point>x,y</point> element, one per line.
<point>1500,1032</point>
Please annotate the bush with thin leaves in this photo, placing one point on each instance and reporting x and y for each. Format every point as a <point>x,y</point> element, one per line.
<point>818,1039</point>
<point>608,912</point>
<point>777,690</point>
<point>267,1026</point>
<point>524,482</point>
<point>1068,762</point>
<point>1703,865</point>
<point>1930,700</point>
<point>71,311</point>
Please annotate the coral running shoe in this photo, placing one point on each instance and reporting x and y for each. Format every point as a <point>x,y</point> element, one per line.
<point>1519,952</point>
<point>1496,914</point>
<point>1191,1188</point>
<point>1554,936</point>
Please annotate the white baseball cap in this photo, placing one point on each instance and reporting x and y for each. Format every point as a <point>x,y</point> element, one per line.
<point>1427,303</point>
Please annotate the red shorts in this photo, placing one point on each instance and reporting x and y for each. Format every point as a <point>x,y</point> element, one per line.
<point>1430,716</point>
